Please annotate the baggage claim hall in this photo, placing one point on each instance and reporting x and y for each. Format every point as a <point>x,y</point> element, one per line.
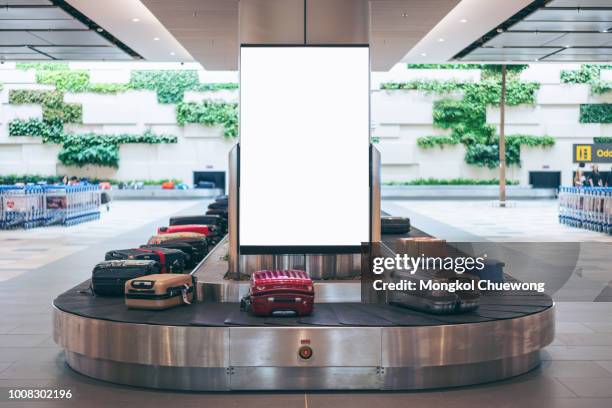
<point>305,203</point>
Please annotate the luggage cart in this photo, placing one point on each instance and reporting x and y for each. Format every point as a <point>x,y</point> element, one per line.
<point>586,207</point>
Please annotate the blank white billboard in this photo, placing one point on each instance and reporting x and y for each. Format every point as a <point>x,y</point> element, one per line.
<point>304,146</point>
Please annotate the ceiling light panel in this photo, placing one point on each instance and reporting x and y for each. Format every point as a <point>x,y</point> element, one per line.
<point>588,51</point>
<point>579,3</point>
<point>20,38</point>
<point>522,39</point>
<point>582,40</point>
<point>80,50</point>
<point>33,13</point>
<point>560,57</point>
<point>72,38</point>
<point>25,3</point>
<point>545,14</point>
<point>534,52</point>
<point>22,57</point>
<point>42,25</point>
<point>561,26</point>
<point>92,57</point>
<point>500,57</point>
<point>16,50</point>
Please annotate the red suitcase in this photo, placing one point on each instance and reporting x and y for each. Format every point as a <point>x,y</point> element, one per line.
<point>200,229</point>
<point>280,292</point>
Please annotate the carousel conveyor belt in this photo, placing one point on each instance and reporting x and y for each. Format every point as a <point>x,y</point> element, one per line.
<point>494,306</point>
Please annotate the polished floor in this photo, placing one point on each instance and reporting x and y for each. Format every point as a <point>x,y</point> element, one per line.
<point>36,265</point>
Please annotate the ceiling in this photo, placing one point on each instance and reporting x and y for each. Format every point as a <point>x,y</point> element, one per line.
<point>553,31</point>
<point>42,30</point>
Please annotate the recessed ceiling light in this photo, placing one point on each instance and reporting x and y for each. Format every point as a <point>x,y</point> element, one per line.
<point>500,30</point>
<point>135,20</point>
<point>604,31</point>
<point>567,46</point>
<point>423,54</point>
<point>537,59</point>
<point>172,53</point>
<point>404,15</point>
<point>156,39</point>
<point>99,29</point>
<point>440,39</point>
<point>463,20</point>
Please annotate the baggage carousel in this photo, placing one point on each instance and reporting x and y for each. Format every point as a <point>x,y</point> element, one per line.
<point>344,344</point>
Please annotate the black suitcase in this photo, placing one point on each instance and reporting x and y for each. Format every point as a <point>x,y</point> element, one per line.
<point>192,255</point>
<point>108,277</point>
<point>220,212</point>
<point>215,220</point>
<point>201,245</point>
<point>170,260</point>
<point>218,205</point>
<point>395,225</point>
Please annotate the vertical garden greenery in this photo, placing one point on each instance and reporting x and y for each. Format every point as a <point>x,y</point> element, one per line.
<point>103,150</point>
<point>465,115</point>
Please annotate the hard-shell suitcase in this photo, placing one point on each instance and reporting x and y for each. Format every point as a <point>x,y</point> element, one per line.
<point>170,260</point>
<point>395,225</point>
<point>108,277</point>
<point>192,255</point>
<point>436,301</point>
<point>220,212</point>
<point>280,292</point>
<point>168,185</point>
<point>418,246</point>
<point>198,241</point>
<point>200,229</point>
<point>158,292</point>
<point>215,220</point>
<point>218,205</point>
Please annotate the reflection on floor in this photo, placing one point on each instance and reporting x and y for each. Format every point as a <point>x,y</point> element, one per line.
<point>577,371</point>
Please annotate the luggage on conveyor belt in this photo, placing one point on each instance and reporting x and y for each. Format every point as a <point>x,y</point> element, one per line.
<point>205,184</point>
<point>395,225</point>
<point>218,211</point>
<point>279,292</point>
<point>198,241</point>
<point>215,220</point>
<point>493,271</point>
<point>218,205</point>
<point>158,292</point>
<point>437,301</point>
<point>199,229</point>
<point>108,277</point>
<point>170,260</point>
<point>192,255</point>
<point>417,246</point>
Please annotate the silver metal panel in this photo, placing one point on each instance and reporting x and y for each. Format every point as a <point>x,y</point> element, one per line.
<point>304,378</point>
<point>157,345</point>
<point>223,292</point>
<point>467,343</point>
<point>176,378</point>
<point>23,57</point>
<point>278,346</point>
<point>338,292</point>
<point>81,50</point>
<point>535,52</point>
<point>586,51</point>
<point>527,25</point>
<point>33,13</point>
<point>271,21</point>
<point>411,378</point>
<point>522,39</point>
<point>579,3</point>
<point>20,38</point>
<point>16,50</point>
<point>232,206</point>
<point>25,3</point>
<point>72,38</point>
<point>375,198</point>
<point>91,57</point>
<point>579,58</point>
<point>582,40</point>
<point>42,24</point>
<point>545,14</point>
<point>501,57</point>
<point>337,21</point>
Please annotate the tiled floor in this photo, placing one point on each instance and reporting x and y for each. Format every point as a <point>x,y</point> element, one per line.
<point>576,373</point>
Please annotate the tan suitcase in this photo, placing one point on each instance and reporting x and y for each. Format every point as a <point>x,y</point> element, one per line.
<point>417,246</point>
<point>158,292</point>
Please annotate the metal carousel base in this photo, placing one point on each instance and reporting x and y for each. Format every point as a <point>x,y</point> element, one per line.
<point>268,357</point>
